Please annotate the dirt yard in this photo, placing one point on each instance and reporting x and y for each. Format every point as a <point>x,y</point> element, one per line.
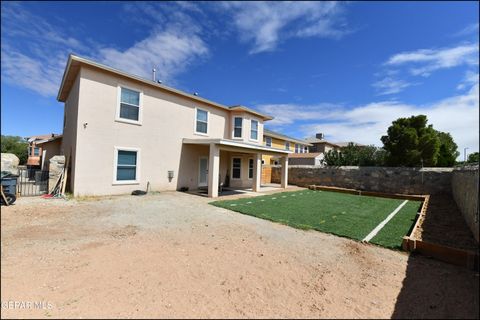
<point>174,255</point>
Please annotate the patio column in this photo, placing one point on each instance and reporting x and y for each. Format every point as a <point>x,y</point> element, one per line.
<point>257,172</point>
<point>213,170</point>
<point>284,177</point>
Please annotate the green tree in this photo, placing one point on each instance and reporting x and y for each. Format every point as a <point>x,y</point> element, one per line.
<point>16,145</point>
<point>354,155</point>
<point>410,142</point>
<point>448,153</point>
<point>473,157</point>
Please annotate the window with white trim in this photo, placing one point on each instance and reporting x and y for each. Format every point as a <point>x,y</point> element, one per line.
<point>237,127</point>
<point>36,151</point>
<point>296,148</point>
<point>287,145</point>
<point>126,165</point>
<point>254,130</point>
<point>129,104</point>
<point>250,168</point>
<point>201,125</point>
<point>268,141</point>
<point>305,149</point>
<point>236,168</point>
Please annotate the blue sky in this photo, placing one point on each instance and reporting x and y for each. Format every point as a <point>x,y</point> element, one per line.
<point>346,69</point>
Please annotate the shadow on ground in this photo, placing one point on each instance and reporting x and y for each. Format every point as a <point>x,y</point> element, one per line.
<point>433,289</point>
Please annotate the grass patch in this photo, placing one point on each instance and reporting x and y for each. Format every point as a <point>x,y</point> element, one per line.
<point>392,234</point>
<point>341,214</point>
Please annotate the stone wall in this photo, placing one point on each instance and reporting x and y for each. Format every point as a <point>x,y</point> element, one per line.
<point>55,168</point>
<point>381,179</point>
<point>465,192</point>
<point>10,163</point>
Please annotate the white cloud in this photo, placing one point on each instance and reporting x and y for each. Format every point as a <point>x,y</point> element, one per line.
<point>426,61</point>
<point>389,85</point>
<point>171,52</point>
<point>268,23</point>
<point>458,115</point>
<point>471,28</point>
<point>34,55</point>
<point>469,79</point>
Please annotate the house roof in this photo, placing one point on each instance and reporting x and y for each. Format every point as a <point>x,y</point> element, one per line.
<point>237,144</point>
<point>316,140</point>
<point>75,62</point>
<point>305,155</point>
<point>277,135</point>
<point>41,137</point>
<point>58,136</point>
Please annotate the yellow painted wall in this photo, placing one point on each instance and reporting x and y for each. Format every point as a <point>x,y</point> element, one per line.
<point>278,144</point>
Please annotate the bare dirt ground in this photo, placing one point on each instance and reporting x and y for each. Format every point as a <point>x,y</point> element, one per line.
<point>173,255</point>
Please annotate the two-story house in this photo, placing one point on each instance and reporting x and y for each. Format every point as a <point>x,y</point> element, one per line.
<point>122,131</point>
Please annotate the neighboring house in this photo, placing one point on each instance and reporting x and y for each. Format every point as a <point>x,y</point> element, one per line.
<point>279,141</point>
<point>122,131</point>
<point>319,144</point>
<point>36,152</point>
<point>50,148</point>
<point>312,159</point>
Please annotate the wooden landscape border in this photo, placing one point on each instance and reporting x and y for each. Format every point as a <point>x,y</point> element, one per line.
<point>460,257</point>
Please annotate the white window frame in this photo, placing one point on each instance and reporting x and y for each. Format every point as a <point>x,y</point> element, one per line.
<point>231,173</point>
<point>297,147</point>
<point>195,122</point>
<point>287,145</point>
<point>266,142</point>
<point>253,168</point>
<point>305,149</point>
<point>115,164</point>
<point>258,130</point>
<point>233,126</point>
<point>140,106</point>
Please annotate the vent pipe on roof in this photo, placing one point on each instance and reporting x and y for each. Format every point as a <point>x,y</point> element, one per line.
<point>319,136</point>
<point>153,74</point>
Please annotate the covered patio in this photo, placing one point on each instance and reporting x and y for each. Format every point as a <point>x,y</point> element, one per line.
<point>230,156</point>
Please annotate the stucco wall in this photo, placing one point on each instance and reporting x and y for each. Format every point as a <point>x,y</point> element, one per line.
<point>381,179</point>
<point>465,183</point>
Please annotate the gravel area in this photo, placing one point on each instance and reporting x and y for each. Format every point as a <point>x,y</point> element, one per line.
<point>173,255</point>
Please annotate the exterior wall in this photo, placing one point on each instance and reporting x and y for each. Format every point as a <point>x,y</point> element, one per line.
<point>244,181</point>
<point>167,119</point>
<point>276,143</point>
<point>70,129</point>
<point>51,149</point>
<point>465,183</point>
<point>381,179</point>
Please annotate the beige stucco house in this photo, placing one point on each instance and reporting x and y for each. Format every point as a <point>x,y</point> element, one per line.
<point>122,131</point>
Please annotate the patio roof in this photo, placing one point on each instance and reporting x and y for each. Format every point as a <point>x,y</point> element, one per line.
<point>248,147</point>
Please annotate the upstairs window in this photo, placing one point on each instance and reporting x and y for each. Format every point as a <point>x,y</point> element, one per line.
<point>129,105</point>
<point>36,151</point>
<point>287,145</point>
<point>268,141</point>
<point>201,125</point>
<point>237,127</point>
<point>305,149</point>
<point>254,130</point>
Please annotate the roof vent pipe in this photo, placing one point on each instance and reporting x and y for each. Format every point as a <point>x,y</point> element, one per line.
<point>319,136</point>
<point>153,74</point>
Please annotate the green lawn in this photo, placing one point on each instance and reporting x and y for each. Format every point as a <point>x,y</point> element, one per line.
<point>341,214</point>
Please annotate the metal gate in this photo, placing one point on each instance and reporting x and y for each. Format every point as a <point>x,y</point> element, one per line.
<point>32,182</point>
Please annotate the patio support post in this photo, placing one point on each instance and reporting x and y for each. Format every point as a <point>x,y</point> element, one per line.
<point>257,172</point>
<point>284,177</point>
<point>213,170</point>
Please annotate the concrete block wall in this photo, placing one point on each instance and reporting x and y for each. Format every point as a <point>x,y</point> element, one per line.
<point>381,179</point>
<point>465,183</point>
